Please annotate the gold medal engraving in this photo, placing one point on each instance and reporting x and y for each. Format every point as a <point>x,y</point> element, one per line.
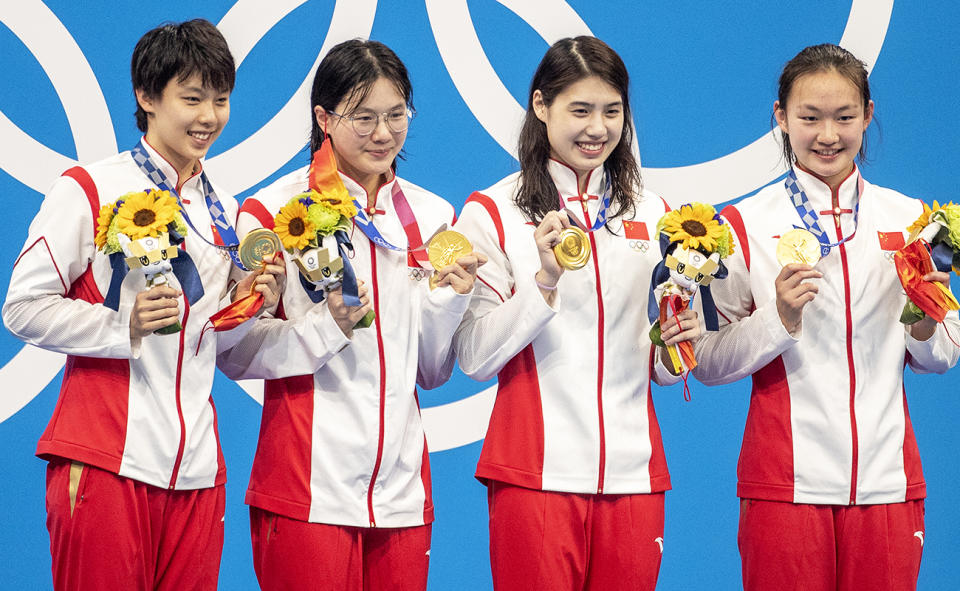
<point>256,245</point>
<point>444,250</point>
<point>573,250</point>
<point>798,246</point>
<point>446,247</point>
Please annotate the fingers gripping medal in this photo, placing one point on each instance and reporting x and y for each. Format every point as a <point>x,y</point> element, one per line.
<point>444,250</point>
<point>798,246</point>
<point>573,249</point>
<point>257,245</point>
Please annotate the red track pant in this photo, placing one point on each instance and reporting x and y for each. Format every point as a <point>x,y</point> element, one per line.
<point>549,541</point>
<point>110,532</point>
<point>794,547</point>
<point>289,555</point>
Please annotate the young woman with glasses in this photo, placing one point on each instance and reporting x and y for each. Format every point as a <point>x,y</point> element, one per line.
<point>339,494</point>
<point>572,458</point>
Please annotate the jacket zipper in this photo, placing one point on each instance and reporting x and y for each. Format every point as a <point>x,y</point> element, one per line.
<point>855,452</point>
<point>183,426</point>
<point>596,270</point>
<point>383,385</point>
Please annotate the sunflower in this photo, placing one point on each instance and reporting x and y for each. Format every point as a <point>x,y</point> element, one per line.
<point>293,226</point>
<point>338,199</point>
<point>921,222</point>
<point>103,225</point>
<point>695,225</point>
<point>145,213</point>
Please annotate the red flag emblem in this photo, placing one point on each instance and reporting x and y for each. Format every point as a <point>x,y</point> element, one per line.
<point>891,240</point>
<point>635,230</point>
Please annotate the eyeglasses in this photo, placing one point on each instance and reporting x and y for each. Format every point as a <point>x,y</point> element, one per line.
<point>365,122</point>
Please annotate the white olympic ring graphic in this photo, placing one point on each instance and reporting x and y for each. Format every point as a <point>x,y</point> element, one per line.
<point>268,149</point>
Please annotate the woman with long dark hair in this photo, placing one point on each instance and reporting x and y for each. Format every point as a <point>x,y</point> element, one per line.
<point>339,494</point>
<point>573,458</point>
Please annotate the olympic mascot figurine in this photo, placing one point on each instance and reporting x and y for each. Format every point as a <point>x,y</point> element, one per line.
<point>151,255</point>
<point>934,244</point>
<point>693,242</point>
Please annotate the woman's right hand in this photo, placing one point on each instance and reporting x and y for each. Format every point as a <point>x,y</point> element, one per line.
<point>153,309</point>
<point>346,316</point>
<point>547,235</point>
<point>794,292</point>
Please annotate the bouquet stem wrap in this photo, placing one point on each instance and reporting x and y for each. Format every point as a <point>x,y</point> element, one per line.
<point>913,262</point>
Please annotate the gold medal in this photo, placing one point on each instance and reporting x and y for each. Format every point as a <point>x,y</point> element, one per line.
<point>444,249</point>
<point>798,246</point>
<point>256,245</point>
<point>573,250</point>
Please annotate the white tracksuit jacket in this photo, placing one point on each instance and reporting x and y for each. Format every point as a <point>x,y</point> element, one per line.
<point>144,414</point>
<point>573,411</point>
<point>828,420</point>
<point>341,439</point>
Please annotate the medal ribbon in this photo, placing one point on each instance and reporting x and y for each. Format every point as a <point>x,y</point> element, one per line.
<point>231,243</point>
<point>601,214</point>
<point>407,219</point>
<point>809,217</point>
<point>240,310</point>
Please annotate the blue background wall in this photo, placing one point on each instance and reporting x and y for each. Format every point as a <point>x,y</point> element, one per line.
<point>704,78</point>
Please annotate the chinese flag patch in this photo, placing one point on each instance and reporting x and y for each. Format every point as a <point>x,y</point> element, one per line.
<point>635,230</point>
<point>891,240</point>
<point>216,235</point>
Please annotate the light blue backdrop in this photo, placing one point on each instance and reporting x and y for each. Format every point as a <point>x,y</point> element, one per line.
<point>704,78</point>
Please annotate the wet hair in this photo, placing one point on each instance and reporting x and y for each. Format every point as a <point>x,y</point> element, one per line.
<point>826,57</point>
<point>347,73</point>
<point>567,62</point>
<point>180,50</point>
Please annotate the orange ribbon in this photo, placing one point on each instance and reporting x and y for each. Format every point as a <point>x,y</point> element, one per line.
<point>233,315</point>
<point>913,262</point>
<point>683,349</point>
<point>323,175</point>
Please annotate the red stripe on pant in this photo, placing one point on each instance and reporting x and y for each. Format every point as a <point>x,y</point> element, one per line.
<point>111,532</point>
<point>289,554</point>
<point>542,540</point>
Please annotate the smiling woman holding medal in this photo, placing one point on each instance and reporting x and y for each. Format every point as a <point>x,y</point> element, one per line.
<point>829,475</point>
<point>339,492</point>
<point>572,458</point>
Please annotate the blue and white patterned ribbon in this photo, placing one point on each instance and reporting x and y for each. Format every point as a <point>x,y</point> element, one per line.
<point>810,218</point>
<point>217,214</point>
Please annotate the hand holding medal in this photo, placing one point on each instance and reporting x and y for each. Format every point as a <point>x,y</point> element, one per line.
<point>798,246</point>
<point>444,249</point>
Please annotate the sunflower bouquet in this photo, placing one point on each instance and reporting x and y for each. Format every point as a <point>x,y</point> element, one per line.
<point>307,226</point>
<point>693,241</point>
<point>313,227</point>
<point>934,243</point>
<point>141,230</point>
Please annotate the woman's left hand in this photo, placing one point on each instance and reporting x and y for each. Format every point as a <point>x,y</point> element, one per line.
<point>685,326</point>
<point>924,328</point>
<point>462,274</point>
<point>268,281</point>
